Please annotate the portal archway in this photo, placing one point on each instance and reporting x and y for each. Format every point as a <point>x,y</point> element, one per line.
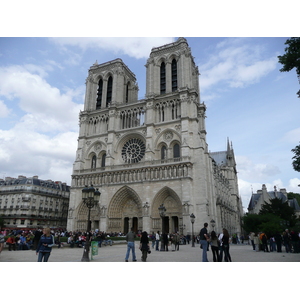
<point>125,211</point>
<point>173,216</point>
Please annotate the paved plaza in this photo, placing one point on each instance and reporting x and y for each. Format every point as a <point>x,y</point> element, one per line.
<point>116,253</point>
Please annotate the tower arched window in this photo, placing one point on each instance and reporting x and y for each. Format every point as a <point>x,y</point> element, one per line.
<point>103,160</point>
<point>162,78</point>
<point>127,92</point>
<point>99,94</point>
<point>94,162</point>
<point>109,91</point>
<point>174,75</point>
<point>176,151</point>
<point>163,152</point>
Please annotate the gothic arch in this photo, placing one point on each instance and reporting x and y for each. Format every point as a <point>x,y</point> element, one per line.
<point>170,200</point>
<point>160,138</point>
<point>125,204</point>
<point>82,216</point>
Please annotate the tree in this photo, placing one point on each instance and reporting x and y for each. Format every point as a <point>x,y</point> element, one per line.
<point>291,58</point>
<point>296,158</point>
<point>280,209</point>
<point>296,196</point>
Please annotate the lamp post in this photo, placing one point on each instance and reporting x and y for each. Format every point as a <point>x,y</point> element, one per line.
<point>192,216</point>
<point>162,213</point>
<point>213,223</point>
<point>90,198</point>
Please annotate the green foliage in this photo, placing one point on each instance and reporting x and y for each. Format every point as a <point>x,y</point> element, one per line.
<point>272,218</point>
<point>296,158</point>
<point>291,58</point>
<point>296,196</point>
<point>282,210</point>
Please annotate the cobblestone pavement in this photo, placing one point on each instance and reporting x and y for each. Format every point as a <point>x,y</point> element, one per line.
<point>116,253</point>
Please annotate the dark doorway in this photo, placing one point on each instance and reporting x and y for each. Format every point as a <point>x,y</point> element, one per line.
<point>175,224</point>
<point>126,225</point>
<point>166,224</point>
<point>135,224</point>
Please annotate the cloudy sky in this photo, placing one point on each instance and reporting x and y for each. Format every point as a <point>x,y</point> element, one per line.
<point>249,101</point>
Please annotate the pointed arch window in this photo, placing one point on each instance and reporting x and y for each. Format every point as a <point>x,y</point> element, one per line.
<point>163,152</point>
<point>103,160</point>
<point>162,78</point>
<point>127,92</point>
<point>174,75</point>
<point>176,151</point>
<point>109,91</point>
<point>94,162</point>
<point>99,94</point>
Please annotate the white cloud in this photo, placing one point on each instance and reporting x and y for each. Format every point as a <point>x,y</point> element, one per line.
<point>47,108</point>
<point>132,46</point>
<point>4,110</point>
<point>237,63</point>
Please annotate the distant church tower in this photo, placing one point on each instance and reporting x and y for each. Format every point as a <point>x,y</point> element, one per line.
<point>141,154</point>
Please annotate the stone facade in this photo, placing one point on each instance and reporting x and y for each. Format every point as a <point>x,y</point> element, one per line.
<point>29,202</point>
<point>141,154</point>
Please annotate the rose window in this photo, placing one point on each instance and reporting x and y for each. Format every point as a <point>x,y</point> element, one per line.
<point>133,151</point>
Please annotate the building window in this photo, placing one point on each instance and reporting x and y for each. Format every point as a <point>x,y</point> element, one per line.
<point>174,75</point>
<point>109,91</point>
<point>94,161</point>
<point>127,92</point>
<point>176,151</point>
<point>163,78</point>
<point>163,152</point>
<point>99,94</point>
<point>103,160</point>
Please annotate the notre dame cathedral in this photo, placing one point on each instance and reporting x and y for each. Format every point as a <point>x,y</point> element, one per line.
<point>144,153</point>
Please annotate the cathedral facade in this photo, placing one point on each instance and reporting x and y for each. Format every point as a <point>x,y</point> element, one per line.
<point>144,153</point>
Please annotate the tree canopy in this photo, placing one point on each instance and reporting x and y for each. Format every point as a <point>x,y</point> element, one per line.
<point>273,217</point>
<point>291,58</point>
<point>296,158</point>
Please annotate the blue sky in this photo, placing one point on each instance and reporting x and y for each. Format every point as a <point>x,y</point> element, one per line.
<point>42,86</point>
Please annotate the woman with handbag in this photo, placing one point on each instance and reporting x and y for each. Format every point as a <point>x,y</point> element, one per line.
<point>215,243</point>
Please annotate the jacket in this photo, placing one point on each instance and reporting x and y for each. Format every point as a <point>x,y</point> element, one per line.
<point>130,236</point>
<point>49,240</point>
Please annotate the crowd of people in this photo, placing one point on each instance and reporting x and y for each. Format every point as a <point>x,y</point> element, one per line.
<point>288,241</point>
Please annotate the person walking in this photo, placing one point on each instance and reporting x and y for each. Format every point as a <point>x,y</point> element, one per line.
<point>225,240</point>
<point>130,236</point>
<point>144,245</point>
<point>157,238</point>
<point>45,245</point>
<point>256,241</point>
<point>214,246</point>
<point>204,242</point>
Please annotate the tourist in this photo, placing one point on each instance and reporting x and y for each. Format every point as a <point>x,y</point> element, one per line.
<point>153,239</point>
<point>225,240</point>
<point>251,237</point>
<point>157,239</point>
<point>256,241</point>
<point>214,246</point>
<point>204,242</point>
<point>2,241</point>
<point>45,245</point>
<point>278,241</point>
<point>11,242</point>
<point>286,241</point>
<point>144,245</point>
<point>130,236</point>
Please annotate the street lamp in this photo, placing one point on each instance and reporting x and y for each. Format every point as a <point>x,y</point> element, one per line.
<point>192,216</point>
<point>162,213</point>
<point>90,198</point>
<point>213,223</point>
